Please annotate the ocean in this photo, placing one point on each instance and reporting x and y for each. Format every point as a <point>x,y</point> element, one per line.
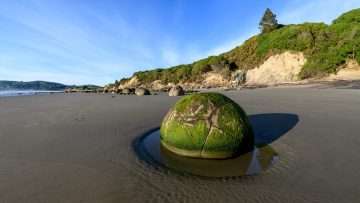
<point>12,93</point>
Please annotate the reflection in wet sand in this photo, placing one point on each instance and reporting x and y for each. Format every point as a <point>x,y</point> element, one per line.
<point>252,163</point>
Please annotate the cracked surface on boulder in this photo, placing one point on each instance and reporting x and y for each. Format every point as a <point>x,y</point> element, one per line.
<point>206,125</point>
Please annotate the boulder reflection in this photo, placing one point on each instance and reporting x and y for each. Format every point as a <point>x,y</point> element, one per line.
<point>251,163</point>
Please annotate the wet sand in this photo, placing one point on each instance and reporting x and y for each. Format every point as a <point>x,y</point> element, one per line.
<point>78,148</point>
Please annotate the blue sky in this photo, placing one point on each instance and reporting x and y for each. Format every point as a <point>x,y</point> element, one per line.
<point>84,41</point>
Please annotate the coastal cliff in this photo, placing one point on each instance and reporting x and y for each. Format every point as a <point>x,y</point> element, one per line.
<point>286,54</point>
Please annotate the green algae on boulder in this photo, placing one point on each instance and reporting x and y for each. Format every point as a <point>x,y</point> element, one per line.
<point>206,125</point>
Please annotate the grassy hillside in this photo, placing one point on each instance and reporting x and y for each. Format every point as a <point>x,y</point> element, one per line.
<point>326,48</point>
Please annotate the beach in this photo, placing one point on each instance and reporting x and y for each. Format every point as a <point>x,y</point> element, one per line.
<point>79,148</point>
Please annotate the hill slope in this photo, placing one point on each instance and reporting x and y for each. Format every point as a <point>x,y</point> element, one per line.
<point>326,48</point>
<point>41,85</point>
<point>33,85</point>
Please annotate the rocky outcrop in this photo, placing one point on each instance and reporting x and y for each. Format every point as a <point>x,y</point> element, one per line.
<point>157,85</point>
<point>278,69</point>
<point>142,91</point>
<point>128,91</point>
<point>213,79</point>
<point>238,78</point>
<point>132,83</point>
<point>350,71</point>
<point>106,89</point>
<point>114,90</point>
<point>118,91</point>
<point>176,91</point>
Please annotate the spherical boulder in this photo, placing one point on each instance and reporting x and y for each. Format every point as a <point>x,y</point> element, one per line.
<point>142,91</point>
<point>176,91</point>
<point>127,91</point>
<point>207,125</point>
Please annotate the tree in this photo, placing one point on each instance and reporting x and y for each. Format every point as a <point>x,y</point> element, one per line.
<point>117,83</point>
<point>268,22</point>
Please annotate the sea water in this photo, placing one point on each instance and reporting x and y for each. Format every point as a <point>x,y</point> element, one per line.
<point>11,93</point>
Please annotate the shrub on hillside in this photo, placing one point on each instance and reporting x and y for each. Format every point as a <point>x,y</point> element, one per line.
<point>326,47</point>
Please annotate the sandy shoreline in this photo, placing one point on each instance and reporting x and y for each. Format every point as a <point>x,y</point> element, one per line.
<point>77,147</point>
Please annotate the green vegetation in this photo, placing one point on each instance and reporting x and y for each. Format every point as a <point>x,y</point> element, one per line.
<point>173,74</point>
<point>326,47</point>
<point>87,87</point>
<point>206,125</point>
<point>308,38</point>
<point>187,72</point>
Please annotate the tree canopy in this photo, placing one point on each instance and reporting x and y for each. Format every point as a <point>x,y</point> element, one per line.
<point>268,22</point>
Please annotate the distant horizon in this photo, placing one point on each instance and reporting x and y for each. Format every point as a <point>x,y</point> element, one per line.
<point>47,81</point>
<point>43,81</point>
<point>82,43</point>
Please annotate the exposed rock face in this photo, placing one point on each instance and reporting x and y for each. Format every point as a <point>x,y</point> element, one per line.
<point>118,90</point>
<point>132,83</point>
<point>350,71</point>
<point>238,78</point>
<point>277,69</point>
<point>206,125</point>
<point>176,91</point>
<point>158,86</point>
<point>128,91</point>
<point>114,90</point>
<point>142,91</point>
<point>281,68</point>
<point>106,89</point>
<point>213,79</point>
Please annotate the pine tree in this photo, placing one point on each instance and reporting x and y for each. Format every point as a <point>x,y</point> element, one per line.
<point>268,22</point>
<point>117,83</point>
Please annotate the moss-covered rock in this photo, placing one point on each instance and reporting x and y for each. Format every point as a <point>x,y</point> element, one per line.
<point>207,125</point>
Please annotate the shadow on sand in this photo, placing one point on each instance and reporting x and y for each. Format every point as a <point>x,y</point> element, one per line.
<point>270,127</point>
<point>267,128</point>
